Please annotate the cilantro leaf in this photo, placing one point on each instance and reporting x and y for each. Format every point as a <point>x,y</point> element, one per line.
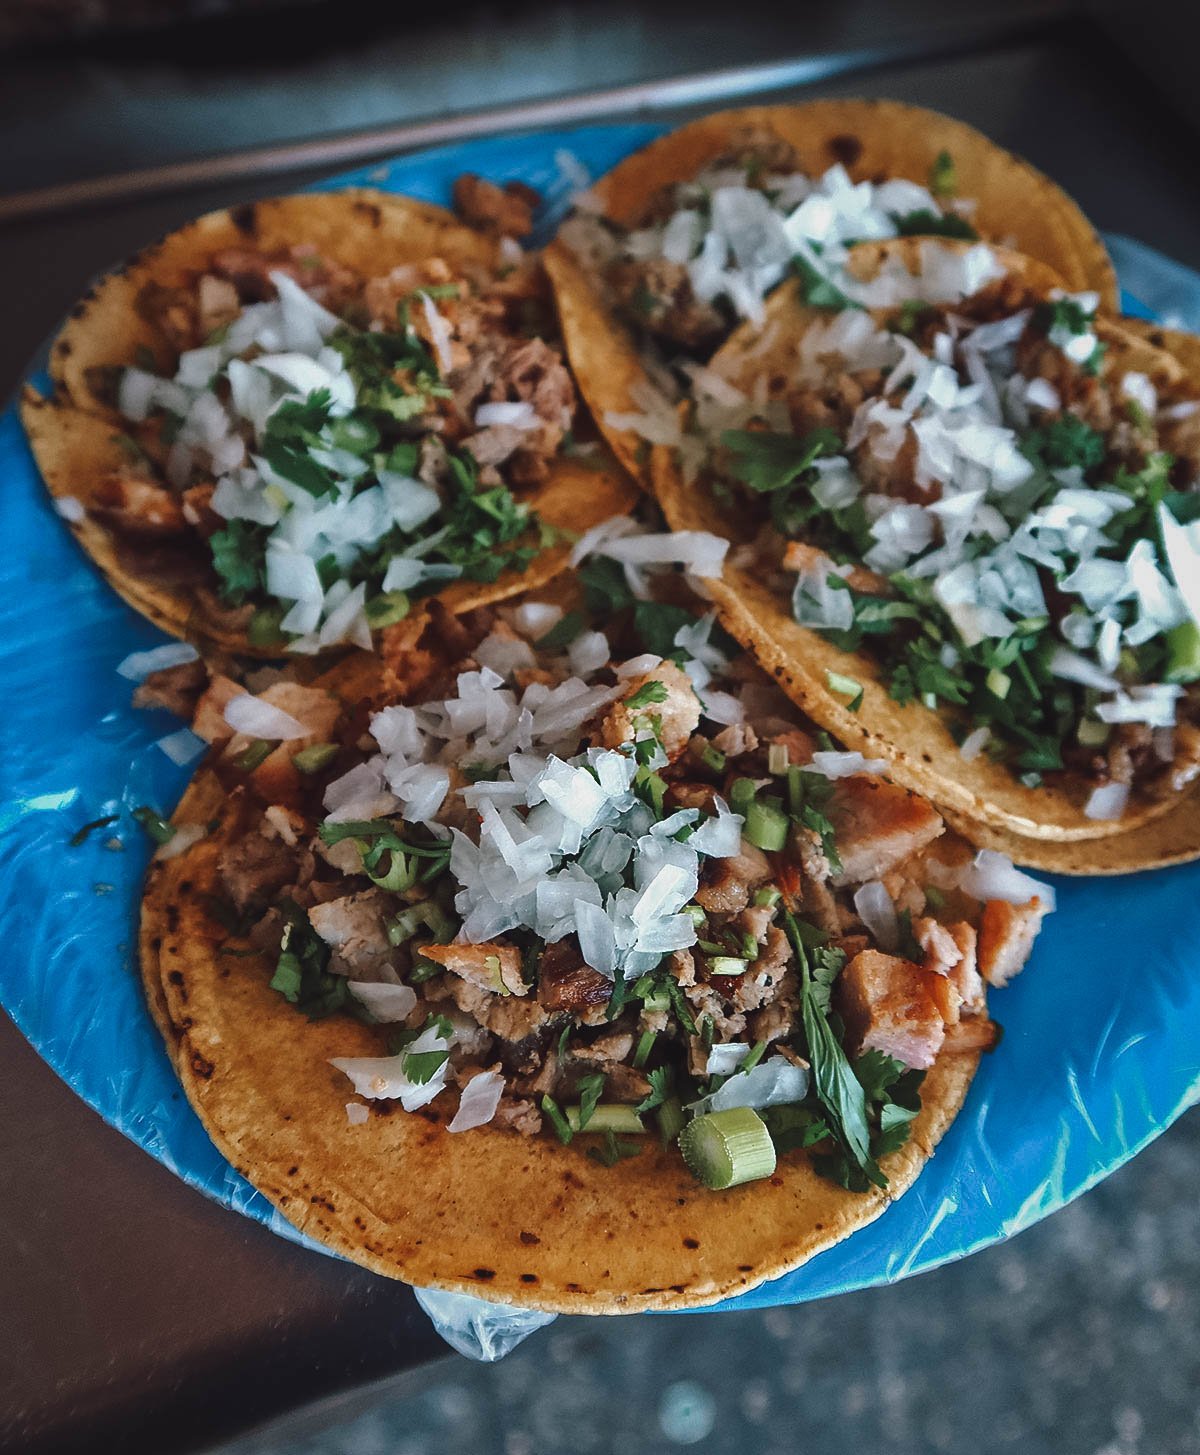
<point>925,223</point>
<point>238,558</point>
<point>646,695</point>
<point>767,461</point>
<point>818,291</point>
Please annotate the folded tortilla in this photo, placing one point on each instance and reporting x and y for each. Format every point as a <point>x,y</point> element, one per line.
<point>77,436</point>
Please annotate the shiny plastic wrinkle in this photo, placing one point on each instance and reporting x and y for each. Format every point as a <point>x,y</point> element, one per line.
<point>1101,1051</point>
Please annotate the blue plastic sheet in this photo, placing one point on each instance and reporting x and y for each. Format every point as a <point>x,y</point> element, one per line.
<point>1102,1047</point>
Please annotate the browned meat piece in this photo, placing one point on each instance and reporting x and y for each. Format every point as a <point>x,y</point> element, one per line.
<point>611,1047</point>
<point>209,721</point>
<point>624,1084</point>
<point>567,982</point>
<point>254,870</point>
<point>682,965</point>
<point>354,929</point>
<point>965,973</point>
<point>947,998</point>
<point>877,825</point>
<point>656,295</point>
<point>178,689</point>
<point>754,920</point>
<point>1006,936</point>
<point>888,1005</point>
<point>802,557</point>
<point>685,794</point>
<point>493,967</point>
<point>216,304</point>
<point>798,743</point>
<point>759,150</point>
<point>138,506</point>
<point>198,511</point>
<point>170,310</point>
<point>518,1115</point>
<point>816,897</point>
<point>708,999</point>
<point>678,715</point>
<point>510,1018</point>
<point>249,271</point>
<point>941,948</point>
<point>895,477</point>
<point>506,210</point>
<point>773,1022</point>
<point>976,1034</point>
<point>727,884</point>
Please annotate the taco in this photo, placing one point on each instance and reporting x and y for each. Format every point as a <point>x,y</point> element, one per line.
<point>685,238</point>
<point>965,517</point>
<point>592,981</point>
<point>286,422</point>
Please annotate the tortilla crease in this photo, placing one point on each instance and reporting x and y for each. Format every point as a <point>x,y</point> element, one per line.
<point>1173,838</point>
<point>916,741</point>
<point>874,140</point>
<point>518,1220</point>
<point>76,437</point>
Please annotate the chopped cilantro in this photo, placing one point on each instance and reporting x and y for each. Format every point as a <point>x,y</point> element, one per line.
<point>563,632</point>
<point>1064,442</point>
<point>238,558</point>
<point>817,289</point>
<point>646,695</point>
<point>766,461</point>
<point>943,175</point>
<point>590,1089</point>
<point>159,829</point>
<point>924,223</point>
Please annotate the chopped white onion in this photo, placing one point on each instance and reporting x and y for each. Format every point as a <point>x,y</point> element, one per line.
<point>991,875</point>
<point>1108,801</point>
<point>139,665</point>
<point>182,747</point>
<point>356,1113</point>
<point>478,1101</point>
<point>247,714</point>
<point>387,1003</point>
<point>874,907</point>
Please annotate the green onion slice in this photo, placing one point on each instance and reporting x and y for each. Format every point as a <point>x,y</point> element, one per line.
<point>726,1148</point>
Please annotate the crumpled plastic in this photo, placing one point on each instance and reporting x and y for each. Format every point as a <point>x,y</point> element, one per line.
<point>1101,1050</point>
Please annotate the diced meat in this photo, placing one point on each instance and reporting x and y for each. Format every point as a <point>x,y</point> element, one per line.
<point>169,310</point>
<point>140,507</point>
<point>1184,767</point>
<point>685,794</point>
<point>727,884</point>
<point>518,1115</point>
<point>178,689</point>
<point>682,965</point>
<point>567,982</point>
<point>946,997</point>
<point>354,929</point>
<point>511,1018</point>
<point>209,721</point>
<point>736,739</point>
<point>493,966</point>
<point>974,1034</point>
<point>888,1005</point>
<point>254,870</point>
<point>507,211</point>
<point>941,949</point>
<point>216,303</point>
<point>798,743</point>
<point>250,273</point>
<point>754,920</point>
<point>678,714</point>
<point>198,511</point>
<point>625,1084</point>
<point>657,296</point>
<point>530,371</point>
<point>965,972</point>
<point>816,897</point>
<point>877,825</point>
<point>276,778</point>
<point>1006,936</point>
<point>707,998</point>
<point>612,1046</point>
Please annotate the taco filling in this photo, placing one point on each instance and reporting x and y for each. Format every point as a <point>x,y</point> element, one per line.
<point>587,888</point>
<point>708,249</point>
<point>338,444</point>
<point>985,498</point>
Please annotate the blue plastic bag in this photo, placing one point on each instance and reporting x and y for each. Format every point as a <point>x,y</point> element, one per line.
<point>1101,1050</point>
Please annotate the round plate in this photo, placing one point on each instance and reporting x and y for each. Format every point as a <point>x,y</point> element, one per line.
<point>1099,1055</point>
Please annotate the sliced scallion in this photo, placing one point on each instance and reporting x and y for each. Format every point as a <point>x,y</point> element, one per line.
<point>741,794</point>
<point>770,896</point>
<point>845,686</point>
<point>670,1119</point>
<point>387,608</point>
<point>726,965</point>
<point>713,758</point>
<point>777,758</point>
<point>644,1046</point>
<point>314,758</point>
<point>611,1117</point>
<point>559,1122</point>
<point>726,1148</point>
<point>766,825</point>
<point>254,756</point>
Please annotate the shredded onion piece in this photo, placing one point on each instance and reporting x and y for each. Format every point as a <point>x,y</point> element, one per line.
<point>357,1113</point>
<point>387,1003</point>
<point>247,714</point>
<point>1107,801</point>
<point>478,1102</point>
<point>878,913</point>
<point>992,876</point>
<point>138,665</point>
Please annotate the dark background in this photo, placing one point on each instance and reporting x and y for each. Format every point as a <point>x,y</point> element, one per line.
<point>137,1316</point>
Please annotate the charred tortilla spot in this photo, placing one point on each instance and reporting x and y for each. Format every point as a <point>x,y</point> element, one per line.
<point>845,149</point>
<point>749,1267</point>
<point>529,1278</point>
<point>245,218</point>
<point>691,1242</point>
<point>292,1171</point>
<point>530,1239</point>
<point>485,1273</point>
<point>201,1066</point>
<point>172,917</point>
<point>371,211</point>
